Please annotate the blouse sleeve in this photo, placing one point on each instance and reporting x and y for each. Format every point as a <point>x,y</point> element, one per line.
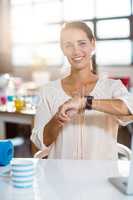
<point>43,115</point>
<point>121,92</point>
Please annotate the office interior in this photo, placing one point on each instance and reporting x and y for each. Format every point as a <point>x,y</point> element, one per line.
<point>30,56</point>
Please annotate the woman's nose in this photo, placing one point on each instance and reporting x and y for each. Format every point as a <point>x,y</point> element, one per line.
<point>76,49</point>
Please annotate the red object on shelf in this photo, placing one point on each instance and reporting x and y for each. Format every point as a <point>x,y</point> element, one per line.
<point>125,80</point>
<point>3,100</point>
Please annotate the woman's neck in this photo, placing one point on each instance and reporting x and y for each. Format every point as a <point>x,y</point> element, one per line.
<point>83,76</point>
<point>79,82</point>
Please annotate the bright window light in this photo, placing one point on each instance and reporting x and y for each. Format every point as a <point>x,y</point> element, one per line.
<point>51,53</point>
<point>22,37</point>
<point>78,9</point>
<point>20,2</point>
<point>48,12</point>
<point>22,55</point>
<point>113,8</point>
<point>132,6</point>
<point>48,54</point>
<point>47,33</point>
<point>40,1</point>
<point>113,28</point>
<point>113,52</point>
<point>36,24</point>
<point>21,16</point>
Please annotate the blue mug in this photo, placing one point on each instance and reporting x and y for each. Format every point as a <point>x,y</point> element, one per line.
<point>6,152</point>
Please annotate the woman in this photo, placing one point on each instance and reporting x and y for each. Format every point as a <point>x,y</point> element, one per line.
<point>78,116</point>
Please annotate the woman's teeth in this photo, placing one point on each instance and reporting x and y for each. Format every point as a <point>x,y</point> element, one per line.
<point>77,59</point>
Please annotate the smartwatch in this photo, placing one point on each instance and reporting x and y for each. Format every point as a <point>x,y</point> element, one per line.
<point>88,105</point>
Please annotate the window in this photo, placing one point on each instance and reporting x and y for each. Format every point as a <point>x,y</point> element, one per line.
<point>51,11</point>
<point>112,8</point>
<point>77,10</point>
<point>38,35</point>
<point>115,28</point>
<point>21,15</point>
<point>35,30</point>
<point>113,52</point>
<point>22,55</point>
<point>19,2</point>
<point>132,6</point>
<point>114,37</point>
<point>51,53</point>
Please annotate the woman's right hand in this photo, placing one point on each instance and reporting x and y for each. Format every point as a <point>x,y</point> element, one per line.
<point>61,119</point>
<point>69,109</point>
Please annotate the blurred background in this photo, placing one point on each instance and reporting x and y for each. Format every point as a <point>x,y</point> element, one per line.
<point>30,53</point>
<point>29,35</point>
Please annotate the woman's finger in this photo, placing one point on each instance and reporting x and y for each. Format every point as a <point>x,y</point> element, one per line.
<point>62,117</point>
<point>71,112</point>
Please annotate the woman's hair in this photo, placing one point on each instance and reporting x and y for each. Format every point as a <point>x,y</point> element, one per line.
<point>85,28</point>
<point>79,25</point>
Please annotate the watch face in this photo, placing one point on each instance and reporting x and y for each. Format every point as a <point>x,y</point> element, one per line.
<point>89,102</point>
<point>90,97</point>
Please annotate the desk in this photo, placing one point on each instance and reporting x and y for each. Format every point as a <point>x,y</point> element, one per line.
<point>69,180</point>
<point>14,117</point>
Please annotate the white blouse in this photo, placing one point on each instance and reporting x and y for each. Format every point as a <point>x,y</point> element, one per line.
<point>92,135</point>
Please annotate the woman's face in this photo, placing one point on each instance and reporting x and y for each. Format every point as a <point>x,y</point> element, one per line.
<point>77,47</point>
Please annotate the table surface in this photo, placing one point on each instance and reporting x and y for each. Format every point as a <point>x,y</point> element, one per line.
<point>69,180</point>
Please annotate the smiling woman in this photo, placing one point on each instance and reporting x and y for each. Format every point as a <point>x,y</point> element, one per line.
<point>78,116</point>
<point>77,46</point>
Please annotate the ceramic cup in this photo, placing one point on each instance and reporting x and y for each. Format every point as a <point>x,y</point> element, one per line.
<point>22,172</point>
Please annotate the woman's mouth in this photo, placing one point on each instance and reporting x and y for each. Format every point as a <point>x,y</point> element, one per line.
<point>77,59</point>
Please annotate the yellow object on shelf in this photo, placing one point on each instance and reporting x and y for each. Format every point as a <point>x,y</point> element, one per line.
<point>19,104</point>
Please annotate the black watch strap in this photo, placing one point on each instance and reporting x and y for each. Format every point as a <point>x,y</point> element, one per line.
<point>88,105</point>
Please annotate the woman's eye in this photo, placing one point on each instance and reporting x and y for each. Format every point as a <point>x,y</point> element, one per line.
<point>82,43</point>
<point>68,46</point>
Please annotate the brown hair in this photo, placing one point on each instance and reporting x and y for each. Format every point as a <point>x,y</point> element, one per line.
<point>84,27</point>
<point>79,25</point>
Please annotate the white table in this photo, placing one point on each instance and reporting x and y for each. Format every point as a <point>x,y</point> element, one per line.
<point>69,180</point>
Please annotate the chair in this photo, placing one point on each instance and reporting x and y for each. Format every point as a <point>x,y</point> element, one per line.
<point>124,152</point>
<point>41,154</point>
